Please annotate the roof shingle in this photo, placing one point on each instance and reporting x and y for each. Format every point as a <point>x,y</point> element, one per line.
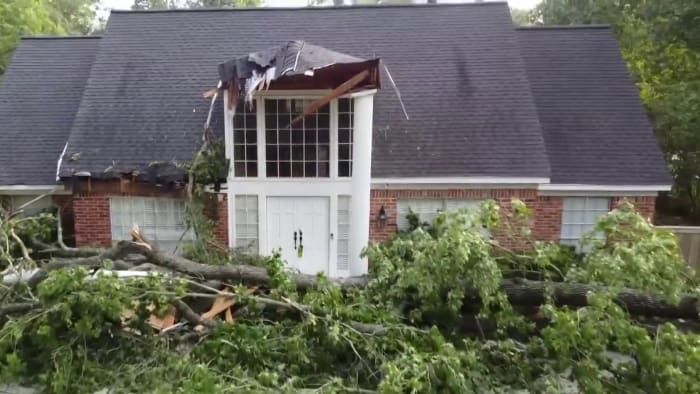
<point>458,68</point>
<point>39,97</point>
<point>593,121</point>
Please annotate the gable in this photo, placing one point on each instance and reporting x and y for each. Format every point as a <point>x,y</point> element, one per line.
<point>458,69</point>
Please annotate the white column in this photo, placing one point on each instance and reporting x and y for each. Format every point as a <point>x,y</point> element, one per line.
<point>361,180</point>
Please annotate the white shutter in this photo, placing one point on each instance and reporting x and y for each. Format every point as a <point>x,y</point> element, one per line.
<point>246,222</point>
<point>343,236</point>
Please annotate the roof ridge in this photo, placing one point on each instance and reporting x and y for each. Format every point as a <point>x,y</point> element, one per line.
<point>58,37</point>
<point>361,6</point>
<point>564,27</point>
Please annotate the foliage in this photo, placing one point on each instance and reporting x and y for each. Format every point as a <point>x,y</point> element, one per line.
<point>625,242</point>
<point>41,17</point>
<point>174,4</point>
<point>89,332</point>
<point>465,263</point>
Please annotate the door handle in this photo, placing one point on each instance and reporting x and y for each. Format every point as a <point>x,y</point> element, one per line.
<point>295,240</point>
<point>301,239</point>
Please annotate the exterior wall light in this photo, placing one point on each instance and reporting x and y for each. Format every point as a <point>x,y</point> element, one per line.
<point>382,216</point>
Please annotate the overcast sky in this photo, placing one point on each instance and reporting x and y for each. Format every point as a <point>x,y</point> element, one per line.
<point>126,4</point>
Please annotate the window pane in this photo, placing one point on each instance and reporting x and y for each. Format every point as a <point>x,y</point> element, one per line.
<point>245,132</point>
<point>246,222</point>
<point>344,168</point>
<point>160,220</point>
<point>303,149</point>
<point>579,217</point>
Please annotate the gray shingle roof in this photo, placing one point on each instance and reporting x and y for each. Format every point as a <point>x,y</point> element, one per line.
<point>484,99</point>
<point>595,128</point>
<point>458,68</point>
<point>39,97</point>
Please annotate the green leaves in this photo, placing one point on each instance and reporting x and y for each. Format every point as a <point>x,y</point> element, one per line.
<point>635,254</point>
<point>41,17</point>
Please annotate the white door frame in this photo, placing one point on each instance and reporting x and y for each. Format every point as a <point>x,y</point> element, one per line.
<point>298,262</point>
<point>279,187</point>
<point>330,187</point>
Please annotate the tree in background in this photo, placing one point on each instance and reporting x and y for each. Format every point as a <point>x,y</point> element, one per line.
<point>520,17</point>
<point>660,41</point>
<point>174,4</point>
<point>36,17</point>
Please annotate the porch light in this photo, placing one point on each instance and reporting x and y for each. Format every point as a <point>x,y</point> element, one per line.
<point>382,216</point>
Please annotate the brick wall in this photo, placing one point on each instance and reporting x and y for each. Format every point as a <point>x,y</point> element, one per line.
<point>388,199</point>
<point>92,223</point>
<point>645,205</point>
<point>92,217</point>
<point>547,210</point>
<point>91,211</point>
<point>221,220</point>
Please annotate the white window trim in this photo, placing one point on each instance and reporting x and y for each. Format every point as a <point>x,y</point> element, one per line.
<point>262,152</point>
<point>472,203</point>
<point>577,242</point>
<point>582,190</point>
<point>265,187</point>
<point>32,189</point>
<point>184,236</point>
<point>441,182</point>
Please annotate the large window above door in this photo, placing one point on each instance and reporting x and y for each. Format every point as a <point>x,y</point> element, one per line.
<point>270,141</point>
<point>300,149</point>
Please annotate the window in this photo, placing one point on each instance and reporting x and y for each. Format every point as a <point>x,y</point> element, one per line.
<point>343,233</point>
<point>301,149</point>
<point>345,136</point>
<point>246,222</point>
<point>37,207</point>
<point>160,220</point>
<point>428,209</point>
<point>579,216</point>
<point>245,137</point>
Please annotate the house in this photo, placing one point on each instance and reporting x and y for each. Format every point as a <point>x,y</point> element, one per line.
<point>468,108</point>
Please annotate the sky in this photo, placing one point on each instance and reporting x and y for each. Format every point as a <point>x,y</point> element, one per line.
<point>126,4</point>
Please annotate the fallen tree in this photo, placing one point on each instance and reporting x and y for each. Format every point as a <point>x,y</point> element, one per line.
<point>520,292</point>
<point>108,318</point>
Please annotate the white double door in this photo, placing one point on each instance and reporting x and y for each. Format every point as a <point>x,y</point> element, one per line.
<point>300,228</point>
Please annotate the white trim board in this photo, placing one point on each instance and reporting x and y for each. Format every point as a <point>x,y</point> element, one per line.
<point>601,190</point>
<point>442,182</point>
<point>33,189</point>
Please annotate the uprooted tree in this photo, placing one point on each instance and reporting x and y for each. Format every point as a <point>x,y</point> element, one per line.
<point>444,309</point>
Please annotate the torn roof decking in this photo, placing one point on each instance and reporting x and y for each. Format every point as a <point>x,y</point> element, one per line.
<point>299,65</point>
<point>39,97</point>
<point>458,68</point>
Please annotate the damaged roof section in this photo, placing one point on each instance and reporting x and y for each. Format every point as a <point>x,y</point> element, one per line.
<point>459,69</point>
<point>297,65</point>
